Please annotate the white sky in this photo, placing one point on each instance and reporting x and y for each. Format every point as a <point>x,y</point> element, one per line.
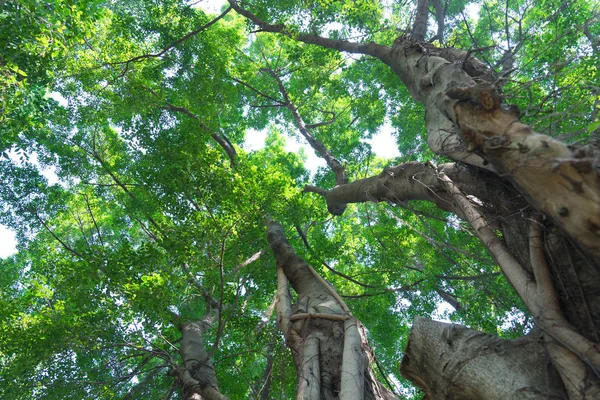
<point>8,243</point>
<point>212,6</point>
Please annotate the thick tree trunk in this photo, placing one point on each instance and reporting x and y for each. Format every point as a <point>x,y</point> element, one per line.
<point>330,353</point>
<point>450,361</point>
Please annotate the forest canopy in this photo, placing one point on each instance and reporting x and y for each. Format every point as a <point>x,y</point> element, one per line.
<point>201,212</point>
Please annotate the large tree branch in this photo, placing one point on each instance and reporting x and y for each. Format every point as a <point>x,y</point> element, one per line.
<point>539,296</point>
<point>450,361</point>
<point>562,181</point>
<point>294,267</point>
<point>409,181</point>
<point>420,25</point>
<point>317,326</point>
<point>372,49</point>
<point>197,373</point>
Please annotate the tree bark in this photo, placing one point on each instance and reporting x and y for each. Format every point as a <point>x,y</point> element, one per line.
<point>402,183</point>
<point>197,374</point>
<point>450,361</point>
<point>327,348</point>
<point>420,25</point>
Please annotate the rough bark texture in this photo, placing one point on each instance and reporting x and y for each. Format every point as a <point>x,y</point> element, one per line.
<point>326,368</point>
<point>561,182</point>
<point>450,361</point>
<point>409,181</point>
<point>420,26</point>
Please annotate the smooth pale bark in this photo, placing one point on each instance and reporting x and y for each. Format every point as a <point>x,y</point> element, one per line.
<point>450,361</point>
<point>309,382</point>
<point>353,365</point>
<point>327,348</point>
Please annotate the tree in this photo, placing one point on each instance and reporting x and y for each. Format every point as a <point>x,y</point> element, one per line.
<point>145,271</point>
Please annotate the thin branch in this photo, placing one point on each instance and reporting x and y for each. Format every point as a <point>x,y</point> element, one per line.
<point>64,245</point>
<point>266,96</point>
<point>372,49</point>
<point>221,140</point>
<point>172,45</point>
<point>105,166</point>
<point>249,260</point>
<point>338,169</point>
<point>451,299</point>
<point>468,277</point>
<point>87,203</point>
<point>404,288</point>
<point>332,317</point>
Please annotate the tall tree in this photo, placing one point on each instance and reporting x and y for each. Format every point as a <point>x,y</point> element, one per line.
<point>145,272</point>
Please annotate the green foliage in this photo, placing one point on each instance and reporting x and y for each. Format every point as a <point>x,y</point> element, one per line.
<point>147,208</point>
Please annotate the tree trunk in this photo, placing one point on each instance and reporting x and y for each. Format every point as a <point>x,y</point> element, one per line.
<point>197,375</point>
<point>330,351</point>
<point>450,361</point>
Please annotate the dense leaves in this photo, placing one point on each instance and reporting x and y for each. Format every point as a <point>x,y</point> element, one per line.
<point>147,211</point>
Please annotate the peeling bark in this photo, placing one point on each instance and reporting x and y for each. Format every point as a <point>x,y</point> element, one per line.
<point>541,299</point>
<point>560,181</point>
<point>424,70</point>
